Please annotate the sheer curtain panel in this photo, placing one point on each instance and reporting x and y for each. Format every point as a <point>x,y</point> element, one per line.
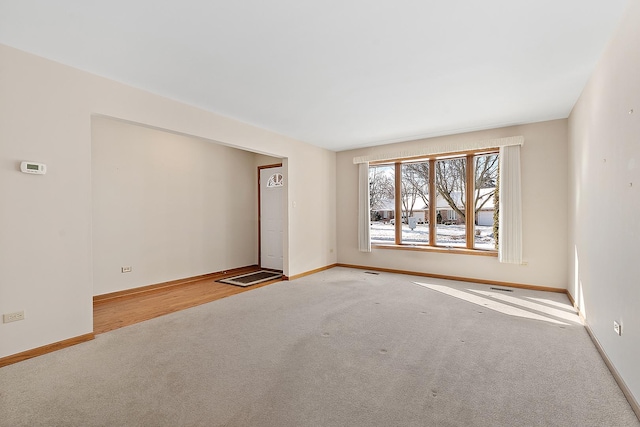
<point>510,216</point>
<point>364,225</point>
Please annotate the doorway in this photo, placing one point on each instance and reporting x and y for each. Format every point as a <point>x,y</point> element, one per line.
<point>271,216</point>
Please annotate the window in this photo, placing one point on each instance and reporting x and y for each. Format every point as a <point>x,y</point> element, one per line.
<point>485,201</point>
<point>445,201</point>
<point>275,180</point>
<point>382,203</point>
<point>415,203</point>
<point>450,176</point>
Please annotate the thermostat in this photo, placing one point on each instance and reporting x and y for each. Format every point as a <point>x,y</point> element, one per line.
<point>33,167</point>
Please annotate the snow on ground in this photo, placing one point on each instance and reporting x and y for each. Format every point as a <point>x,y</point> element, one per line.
<point>446,235</point>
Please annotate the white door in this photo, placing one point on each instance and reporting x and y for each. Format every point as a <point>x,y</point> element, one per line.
<point>271,217</point>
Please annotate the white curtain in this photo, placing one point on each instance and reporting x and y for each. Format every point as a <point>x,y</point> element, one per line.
<point>510,234</point>
<point>364,225</point>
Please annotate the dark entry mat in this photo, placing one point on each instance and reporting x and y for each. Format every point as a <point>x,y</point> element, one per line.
<point>249,279</point>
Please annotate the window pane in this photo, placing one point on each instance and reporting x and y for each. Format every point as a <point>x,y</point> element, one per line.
<point>486,180</point>
<point>451,189</point>
<point>382,203</point>
<point>415,203</point>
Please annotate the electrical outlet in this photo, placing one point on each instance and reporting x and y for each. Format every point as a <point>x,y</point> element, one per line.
<point>617,327</point>
<point>126,269</point>
<point>13,317</point>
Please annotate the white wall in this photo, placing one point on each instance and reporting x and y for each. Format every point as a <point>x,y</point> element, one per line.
<point>45,240</point>
<point>262,160</point>
<point>169,206</point>
<point>544,195</point>
<point>604,207</point>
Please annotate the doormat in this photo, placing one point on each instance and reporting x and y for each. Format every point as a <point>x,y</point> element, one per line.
<point>249,279</point>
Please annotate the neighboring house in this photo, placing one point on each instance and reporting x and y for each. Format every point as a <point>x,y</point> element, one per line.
<point>385,209</point>
<point>484,216</point>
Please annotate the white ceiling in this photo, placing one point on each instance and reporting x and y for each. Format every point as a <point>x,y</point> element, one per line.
<point>337,74</point>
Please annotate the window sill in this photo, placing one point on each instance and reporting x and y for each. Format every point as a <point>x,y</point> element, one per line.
<point>439,249</point>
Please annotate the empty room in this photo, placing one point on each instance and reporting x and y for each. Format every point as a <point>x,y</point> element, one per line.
<point>442,199</point>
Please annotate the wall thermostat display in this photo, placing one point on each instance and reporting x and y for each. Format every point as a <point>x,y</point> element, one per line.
<point>33,167</point>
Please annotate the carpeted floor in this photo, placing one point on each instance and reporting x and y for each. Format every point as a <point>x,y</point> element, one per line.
<point>338,348</point>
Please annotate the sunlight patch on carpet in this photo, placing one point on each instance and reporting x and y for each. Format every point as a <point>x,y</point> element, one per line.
<point>506,304</point>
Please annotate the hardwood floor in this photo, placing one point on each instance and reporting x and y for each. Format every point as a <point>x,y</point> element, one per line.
<point>120,309</point>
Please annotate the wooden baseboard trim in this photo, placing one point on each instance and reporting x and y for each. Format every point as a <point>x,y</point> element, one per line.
<point>19,357</point>
<point>571,300</point>
<point>150,288</point>
<point>575,305</point>
<point>635,406</point>
<point>616,375</point>
<point>308,273</point>
<point>461,279</point>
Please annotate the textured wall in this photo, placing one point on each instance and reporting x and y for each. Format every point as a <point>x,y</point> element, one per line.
<point>604,183</point>
<point>169,206</point>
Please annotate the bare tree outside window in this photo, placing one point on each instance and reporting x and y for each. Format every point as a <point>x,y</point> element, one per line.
<point>451,192</point>
<point>486,181</point>
<point>486,171</point>
<point>381,186</point>
<point>415,202</point>
<point>415,188</point>
<point>451,176</point>
<point>451,182</point>
<point>416,176</point>
<point>447,207</point>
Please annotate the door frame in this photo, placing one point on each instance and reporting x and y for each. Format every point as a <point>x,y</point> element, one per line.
<point>274,165</point>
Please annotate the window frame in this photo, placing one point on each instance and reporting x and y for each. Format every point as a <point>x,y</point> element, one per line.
<point>432,246</point>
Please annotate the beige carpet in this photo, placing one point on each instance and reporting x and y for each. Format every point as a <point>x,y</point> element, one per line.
<point>339,348</point>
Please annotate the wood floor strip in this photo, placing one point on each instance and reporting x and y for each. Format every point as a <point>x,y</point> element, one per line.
<point>152,288</point>
<point>124,308</point>
<point>140,304</point>
<point>19,357</point>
